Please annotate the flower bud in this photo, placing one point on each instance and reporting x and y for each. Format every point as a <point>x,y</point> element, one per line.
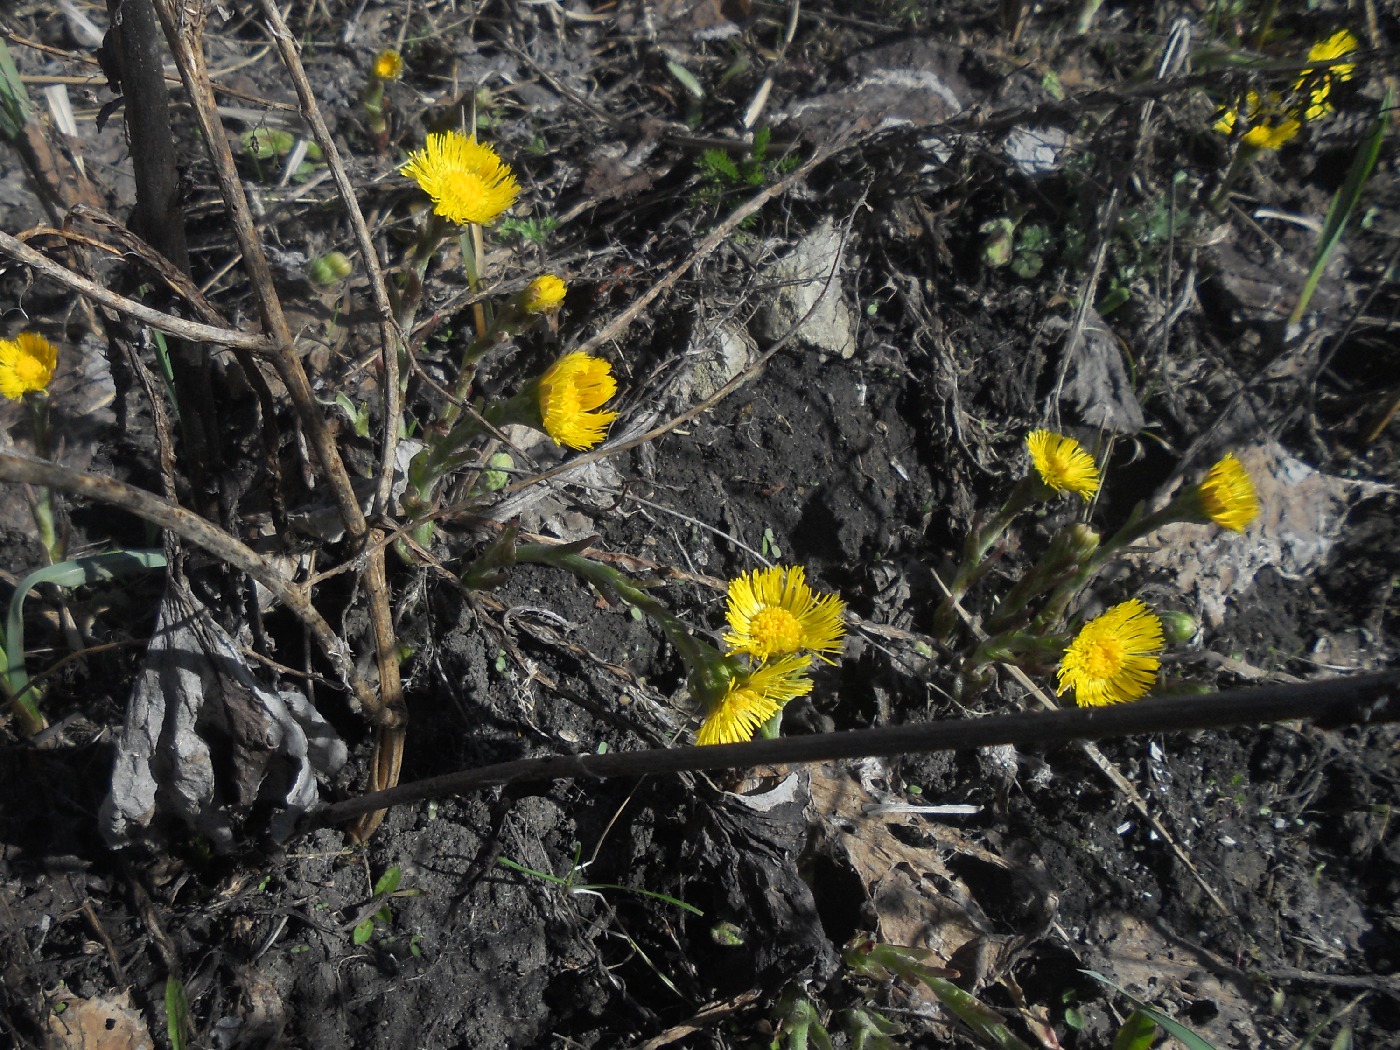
<point>330,268</point>
<point>1179,627</point>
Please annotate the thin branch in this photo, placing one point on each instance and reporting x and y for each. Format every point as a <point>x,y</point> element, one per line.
<point>170,325</point>
<point>1363,699</point>
<point>198,531</point>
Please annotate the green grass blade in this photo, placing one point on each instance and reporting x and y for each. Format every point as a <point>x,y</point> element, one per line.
<point>177,1012</point>
<point>1343,204</point>
<point>1170,1025</point>
<point>74,573</point>
<point>986,1024</point>
<point>14,100</point>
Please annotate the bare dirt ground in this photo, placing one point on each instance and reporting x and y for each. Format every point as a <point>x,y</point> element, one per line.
<point>1009,225</point>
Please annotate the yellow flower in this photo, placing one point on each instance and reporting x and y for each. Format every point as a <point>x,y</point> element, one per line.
<point>1114,658</point>
<point>467,181</point>
<point>1271,123</point>
<point>1317,83</point>
<point>388,65</point>
<point>26,364</point>
<point>1338,45</point>
<point>1062,463</point>
<point>545,294</point>
<point>1227,495</point>
<point>569,395</point>
<point>753,699</point>
<point>772,612</point>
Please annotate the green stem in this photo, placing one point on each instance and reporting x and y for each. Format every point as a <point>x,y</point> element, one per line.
<point>978,543</point>
<point>709,669</point>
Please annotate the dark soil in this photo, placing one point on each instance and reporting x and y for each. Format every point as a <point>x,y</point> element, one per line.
<point>1260,910</point>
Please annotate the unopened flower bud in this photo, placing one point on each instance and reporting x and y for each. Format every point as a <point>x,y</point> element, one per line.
<point>1084,541</point>
<point>330,268</point>
<point>1179,627</point>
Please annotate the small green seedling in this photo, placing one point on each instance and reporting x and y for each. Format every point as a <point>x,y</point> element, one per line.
<point>275,145</point>
<point>573,881</point>
<point>1135,1039</point>
<point>534,230</point>
<point>14,675</point>
<point>385,888</point>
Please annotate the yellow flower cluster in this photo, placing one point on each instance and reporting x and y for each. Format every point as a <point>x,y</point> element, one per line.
<point>544,295</point>
<point>570,394</point>
<point>1114,658</point>
<point>1062,463</point>
<point>467,181</point>
<point>26,365</point>
<point>388,65</point>
<point>1273,119</point>
<point>1227,495</point>
<point>776,619</point>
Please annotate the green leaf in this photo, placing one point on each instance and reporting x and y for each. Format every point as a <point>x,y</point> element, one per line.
<point>1343,204</point>
<point>1138,1033</point>
<point>363,932</point>
<point>761,138</point>
<point>1174,1028</point>
<point>986,1023</point>
<point>389,881</point>
<point>720,164</point>
<point>73,573</point>
<point>687,79</point>
<point>177,1012</point>
<point>14,100</point>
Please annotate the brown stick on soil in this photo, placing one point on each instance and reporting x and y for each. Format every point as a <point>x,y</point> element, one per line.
<point>1358,700</point>
<point>198,531</point>
<point>388,750</point>
<point>178,326</point>
<point>184,31</point>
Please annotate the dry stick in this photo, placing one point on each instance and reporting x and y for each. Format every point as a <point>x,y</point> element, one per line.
<point>167,323</point>
<point>184,29</point>
<point>198,531</point>
<point>391,338</point>
<point>389,745</point>
<point>1363,699</point>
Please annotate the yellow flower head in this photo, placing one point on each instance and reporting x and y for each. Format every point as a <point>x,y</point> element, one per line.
<point>1062,463</point>
<point>1227,495</point>
<point>1338,45</point>
<point>1271,122</point>
<point>1317,83</point>
<point>772,612</point>
<point>545,295</point>
<point>467,181</point>
<point>388,65</point>
<point>26,364</point>
<point>569,395</point>
<point>753,699</point>
<point>1114,658</point>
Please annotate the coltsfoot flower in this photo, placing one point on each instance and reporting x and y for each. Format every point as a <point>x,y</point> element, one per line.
<point>26,364</point>
<point>544,295</point>
<point>1062,463</point>
<point>1272,123</point>
<point>1114,658</point>
<point>773,612</point>
<point>1227,495</point>
<point>753,698</point>
<point>1318,82</point>
<point>570,394</point>
<point>467,181</point>
<point>388,65</point>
